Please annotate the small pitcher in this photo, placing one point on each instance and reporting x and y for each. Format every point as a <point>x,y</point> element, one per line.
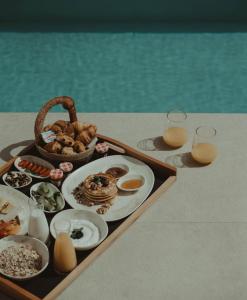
<point>38,225</point>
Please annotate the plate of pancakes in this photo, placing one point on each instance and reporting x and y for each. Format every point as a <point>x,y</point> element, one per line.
<point>92,188</point>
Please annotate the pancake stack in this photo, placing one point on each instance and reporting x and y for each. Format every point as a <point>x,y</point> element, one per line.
<point>100,188</point>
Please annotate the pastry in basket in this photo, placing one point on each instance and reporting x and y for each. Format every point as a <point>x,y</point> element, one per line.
<point>53,147</point>
<point>68,151</point>
<point>54,128</point>
<point>84,137</point>
<point>65,140</point>
<point>77,135</point>
<point>61,126</point>
<point>87,132</point>
<point>79,147</point>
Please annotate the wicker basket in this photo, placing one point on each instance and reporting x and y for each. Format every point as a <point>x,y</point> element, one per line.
<point>68,104</point>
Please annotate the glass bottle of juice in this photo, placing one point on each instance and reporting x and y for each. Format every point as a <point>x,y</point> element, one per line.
<point>64,251</point>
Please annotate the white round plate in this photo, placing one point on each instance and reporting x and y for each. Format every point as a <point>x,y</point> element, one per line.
<point>39,246</point>
<point>33,159</point>
<point>20,202</point>
<point>17,187</point>
<point>126,202</point>
<point>95,228</point>
<point>36,186</point>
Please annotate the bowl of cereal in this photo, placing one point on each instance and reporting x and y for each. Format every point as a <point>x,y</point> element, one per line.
<point>22,257</point>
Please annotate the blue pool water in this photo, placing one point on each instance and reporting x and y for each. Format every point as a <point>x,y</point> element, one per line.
<point>125,72</point>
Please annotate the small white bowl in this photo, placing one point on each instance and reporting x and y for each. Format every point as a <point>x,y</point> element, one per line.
<point>34,189</point>
<point>16,172</point>
<point>130,177</point>
<point>122,166</point>
<point>78,215</point>
<point>37,245</point>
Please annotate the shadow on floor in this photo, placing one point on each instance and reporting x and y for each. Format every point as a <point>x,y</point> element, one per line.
<point>5,153</point>
<point>153,144</point>
<point>183,160</point>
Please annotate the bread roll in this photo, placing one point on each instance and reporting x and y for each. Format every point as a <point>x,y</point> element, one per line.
<point>53,147</point>
<point>68,151</point>
<point>79,147</point>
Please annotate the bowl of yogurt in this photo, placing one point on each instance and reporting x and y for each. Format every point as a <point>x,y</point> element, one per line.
<point>87,229</point>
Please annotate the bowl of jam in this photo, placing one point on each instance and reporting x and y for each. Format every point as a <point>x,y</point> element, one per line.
<point>118,170</point>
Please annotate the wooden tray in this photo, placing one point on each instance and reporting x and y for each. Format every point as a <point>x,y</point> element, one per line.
<point>49,284</point>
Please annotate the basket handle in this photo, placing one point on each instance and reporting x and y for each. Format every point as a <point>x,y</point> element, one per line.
<point>65,101</point>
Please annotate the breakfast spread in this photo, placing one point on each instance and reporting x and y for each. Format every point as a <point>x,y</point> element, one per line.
<point>96,189</point>
<point>17,179</point>
<point>34,168</point>
<point>70,138</point>
<point>20,260</point>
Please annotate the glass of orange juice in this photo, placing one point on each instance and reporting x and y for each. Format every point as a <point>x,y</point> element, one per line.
<point>204,150</point>
<point>64,252</point>
<point>176,134</point>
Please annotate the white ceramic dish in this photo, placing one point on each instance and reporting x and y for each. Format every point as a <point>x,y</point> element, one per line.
<point>35,187</point>
<point>95,229</point>
<point>33,159</point>
<point>125,203</point>
<point>20,202</point>
<point>130,177</point>
<point>16,187</point>
<point>39,246</point>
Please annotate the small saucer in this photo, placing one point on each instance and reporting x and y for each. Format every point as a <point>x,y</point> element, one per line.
<point>130,178</point>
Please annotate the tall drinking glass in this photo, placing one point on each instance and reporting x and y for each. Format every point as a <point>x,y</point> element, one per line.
<point>176,134</point>
<point>204,150</point>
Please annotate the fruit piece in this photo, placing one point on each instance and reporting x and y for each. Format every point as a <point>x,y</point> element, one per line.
<point>21,163</point>
<point>29,166</point>
<point>25,163</point>
<point>38,169</point>
<point>34,168</point>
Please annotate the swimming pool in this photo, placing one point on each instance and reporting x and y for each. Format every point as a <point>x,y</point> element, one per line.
<point>124,72</point>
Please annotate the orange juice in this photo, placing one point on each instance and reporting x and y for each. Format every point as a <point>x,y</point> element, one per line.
<point>175,136</point>
<point>204,153</point>
<point>64,254</point>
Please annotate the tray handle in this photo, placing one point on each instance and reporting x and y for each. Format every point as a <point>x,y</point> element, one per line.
<point>65,101</point>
